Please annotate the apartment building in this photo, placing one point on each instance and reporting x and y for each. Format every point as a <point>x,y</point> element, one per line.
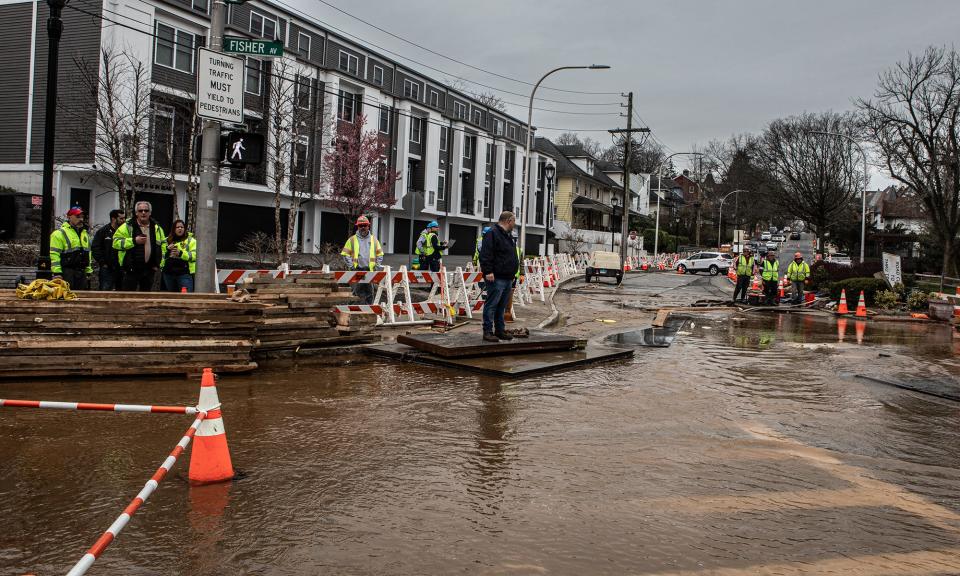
<point>460,162</point>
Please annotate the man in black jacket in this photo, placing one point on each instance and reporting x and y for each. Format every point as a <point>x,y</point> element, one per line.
<point>105,254</point>
<point>499,264</point>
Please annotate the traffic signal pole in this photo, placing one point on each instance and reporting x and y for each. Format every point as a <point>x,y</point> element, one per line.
<point>208,192</point>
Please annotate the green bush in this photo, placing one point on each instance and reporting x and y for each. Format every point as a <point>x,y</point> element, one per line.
<point>886,299</point>
<point>918,300</point>
<point>822,272</point>
<point>853,286</point>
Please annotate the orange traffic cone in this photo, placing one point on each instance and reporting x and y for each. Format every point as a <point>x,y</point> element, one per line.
<point>841,328</point>
<point>755,285</point>
<point>780,294</point>
<point>183,289</point>
<point>861,327</point>
<point>210,458</point>
<point>842,307</point>
<point>861,307</point>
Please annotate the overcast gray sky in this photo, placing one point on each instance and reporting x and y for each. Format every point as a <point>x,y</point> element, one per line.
<point>698,69</point>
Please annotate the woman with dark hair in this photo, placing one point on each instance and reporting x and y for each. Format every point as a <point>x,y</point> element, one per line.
<point>180,264</point>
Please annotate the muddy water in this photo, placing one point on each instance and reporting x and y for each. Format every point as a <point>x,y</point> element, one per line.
<point>746,445</point>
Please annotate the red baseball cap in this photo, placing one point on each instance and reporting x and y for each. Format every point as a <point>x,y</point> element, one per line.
<point>75,211</point>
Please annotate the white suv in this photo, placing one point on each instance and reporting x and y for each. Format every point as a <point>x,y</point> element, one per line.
<point>712,262</point>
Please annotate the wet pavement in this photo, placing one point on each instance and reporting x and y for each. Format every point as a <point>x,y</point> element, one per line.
<point>749,446</point>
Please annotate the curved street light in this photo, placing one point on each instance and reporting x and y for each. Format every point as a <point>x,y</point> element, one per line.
<point>720,216</point>
<point>659,169</point>
<point>528,161</point>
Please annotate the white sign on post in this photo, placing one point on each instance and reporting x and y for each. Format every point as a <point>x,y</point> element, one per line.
<point>891,268</point>
<point>220,86</point>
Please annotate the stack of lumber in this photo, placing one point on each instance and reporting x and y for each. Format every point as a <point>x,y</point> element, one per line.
<point>118,333</point>
<point>299,312</point>
<point>353,322</point>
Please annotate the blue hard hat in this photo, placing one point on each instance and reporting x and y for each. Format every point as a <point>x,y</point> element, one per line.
<point>485,229</point>
<point>433,224</point>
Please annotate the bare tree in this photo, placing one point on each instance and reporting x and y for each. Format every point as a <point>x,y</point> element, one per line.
<point>588,145</point>
<point>645,155</point>
<point>117,88</point>
<point>491,100</point>
<point>816,176</point>
<point>914,120</point>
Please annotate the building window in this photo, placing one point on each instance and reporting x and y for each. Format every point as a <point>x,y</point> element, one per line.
<point>301,149</point>
<point>441,185</point>
<point>254,69</point>
<point>431,198</point>
<point>161,144</point>
<point>303,44</point>
<point>443,138</point>
<point>303,92</point>
<point>345,109</point>
<point>467,146</point>
<point>434,98</point>
<point>512,132</point>
<point>498,127</point>
<point>174,48</point>
<point>460,110</point>
<point>489,157</point>
<point>508,161</point>
<point>486,194</point>
<point>411,90</point>
<point>378,75</point>
<point>416,127</point>
<point>263,26</point>
<point>200,5</point>
<point>477,117</point>
<point>385,120</point>
<point>349,63</point>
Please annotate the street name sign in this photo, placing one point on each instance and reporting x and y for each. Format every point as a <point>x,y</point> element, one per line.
<point>220,86</point>
<point>238,45</point>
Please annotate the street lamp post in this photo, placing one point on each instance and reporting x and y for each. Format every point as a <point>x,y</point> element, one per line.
<point>656,235</point>
<point>720,215</point>
<point>549,171</point>
<point>863,210</point>
<point>528,163</point>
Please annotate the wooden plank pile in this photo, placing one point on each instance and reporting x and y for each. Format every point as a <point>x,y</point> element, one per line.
<point>300,312</point>
<point>116,333</point>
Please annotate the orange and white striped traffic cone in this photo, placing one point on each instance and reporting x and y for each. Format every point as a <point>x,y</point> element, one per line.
<point>842,306</point>
<point>210,458</point>
<point>780,292</point>
<point>861,307</point>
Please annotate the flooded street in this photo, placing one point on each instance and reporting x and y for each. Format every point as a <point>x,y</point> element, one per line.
<point>749,446</point>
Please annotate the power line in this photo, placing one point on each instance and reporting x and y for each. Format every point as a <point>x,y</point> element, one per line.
<point>435,69</point>
<point>450,58</point>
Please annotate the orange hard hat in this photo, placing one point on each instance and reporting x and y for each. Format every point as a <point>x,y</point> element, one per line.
<point>798,255</point>
<point>362,220</point>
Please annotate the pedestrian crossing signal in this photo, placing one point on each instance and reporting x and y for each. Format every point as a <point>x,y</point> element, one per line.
<point>242,148</point>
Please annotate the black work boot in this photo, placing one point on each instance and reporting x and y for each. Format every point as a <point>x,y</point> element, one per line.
<point>504,336</point>
<point>489,337</point>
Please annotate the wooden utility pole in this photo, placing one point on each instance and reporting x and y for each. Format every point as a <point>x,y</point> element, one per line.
<point>627,152</point>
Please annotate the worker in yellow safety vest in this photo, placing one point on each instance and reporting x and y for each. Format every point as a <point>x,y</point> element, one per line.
<point>797,272</point>
<point>429,248</point>
<point>771,275</point>
<point>363,252</point>
<point>70,251</point>
<point>745,266</point>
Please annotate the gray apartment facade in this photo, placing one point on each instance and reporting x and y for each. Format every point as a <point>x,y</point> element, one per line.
<point>459,162</point>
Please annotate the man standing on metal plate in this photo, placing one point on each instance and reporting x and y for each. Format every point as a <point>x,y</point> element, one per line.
<point>499,264</point>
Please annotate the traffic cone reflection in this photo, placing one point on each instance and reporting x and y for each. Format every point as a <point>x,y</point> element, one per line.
<point>210,458</point>
<point>841,328</point>
<point>861,307</point>
<point>861,328</point>
<point>842,307</point>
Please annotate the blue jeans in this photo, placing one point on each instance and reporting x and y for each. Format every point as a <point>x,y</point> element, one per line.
<point>174,282</point>
<point>498,292</point>
<point>109,278</point>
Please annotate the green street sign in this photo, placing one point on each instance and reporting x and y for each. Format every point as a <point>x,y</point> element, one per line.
<point>238,45</point>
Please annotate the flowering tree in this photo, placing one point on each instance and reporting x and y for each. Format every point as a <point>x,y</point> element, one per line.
<point>356,172</point>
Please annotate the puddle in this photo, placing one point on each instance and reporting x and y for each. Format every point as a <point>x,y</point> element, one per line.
<point>653,337</point>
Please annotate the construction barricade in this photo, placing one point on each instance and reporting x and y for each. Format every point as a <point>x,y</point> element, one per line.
<point>209,462</point>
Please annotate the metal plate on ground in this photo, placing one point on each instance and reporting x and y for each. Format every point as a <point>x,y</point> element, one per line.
<point>463,344</point>
<point>654,337</point>
<point>945,390</point>
<point>511,366</point>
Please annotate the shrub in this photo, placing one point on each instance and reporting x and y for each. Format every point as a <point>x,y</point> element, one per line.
<point>886,299</point>
<point>918,300</point>
<point>823,272</point>
<point>853,286</point>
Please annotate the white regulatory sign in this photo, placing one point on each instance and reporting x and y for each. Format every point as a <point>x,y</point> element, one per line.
<point>220,86</point>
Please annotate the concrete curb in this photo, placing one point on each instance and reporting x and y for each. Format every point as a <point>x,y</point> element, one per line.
<point>555,314</point>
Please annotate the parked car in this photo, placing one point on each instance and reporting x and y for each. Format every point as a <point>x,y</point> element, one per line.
<point>778,238</point>
<point>604,264</point>
<point>771,245</point>
<point>794,235</point>
<point>786,228</point>
<point>765,236</point>
<point>712,262</point>
<point>840,258</point>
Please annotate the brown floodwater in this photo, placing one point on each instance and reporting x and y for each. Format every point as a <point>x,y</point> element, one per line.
<point>748,445</point>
